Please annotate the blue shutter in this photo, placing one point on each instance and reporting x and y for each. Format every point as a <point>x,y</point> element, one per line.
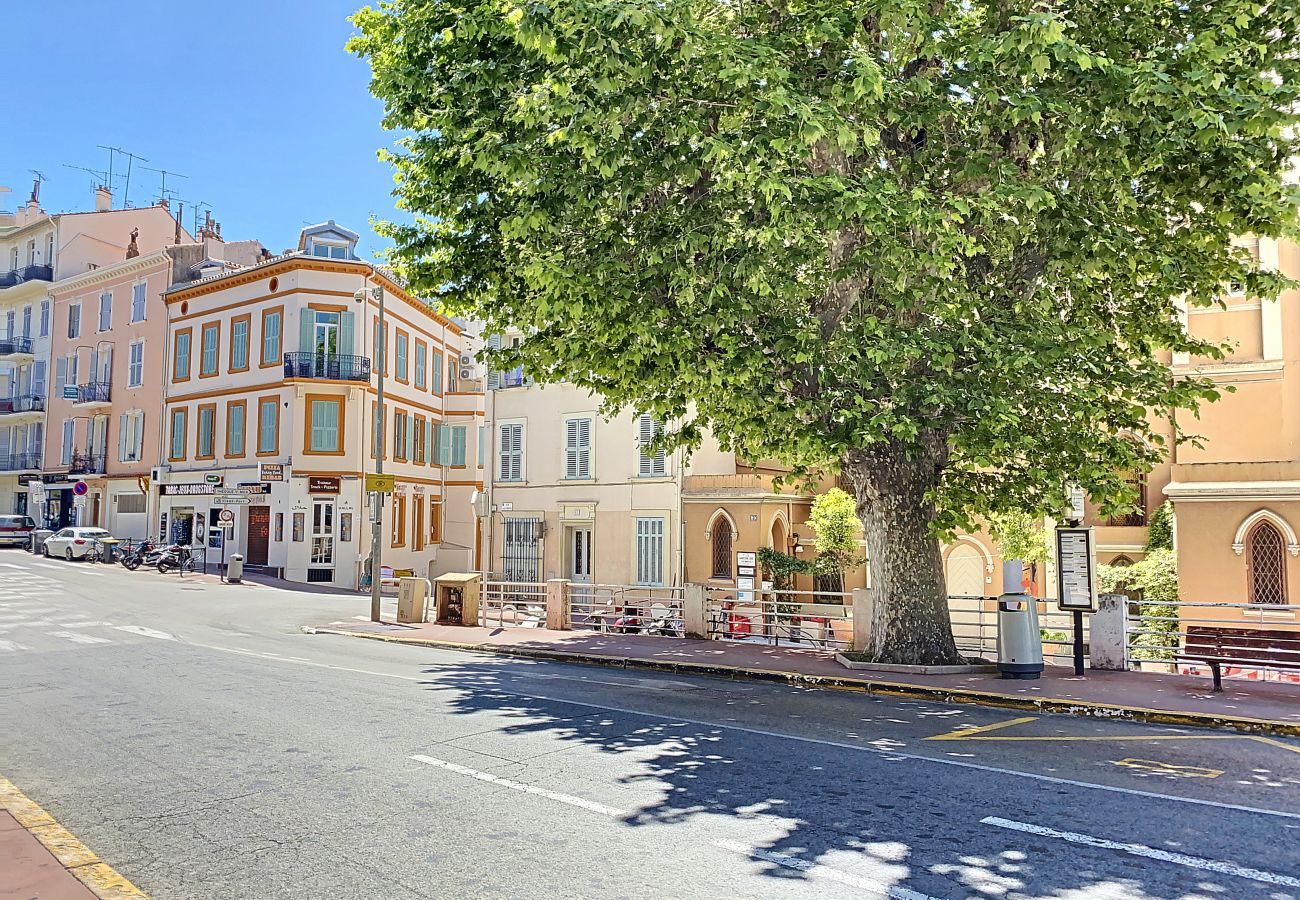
<point>307,331</point>
<point>346,329</point>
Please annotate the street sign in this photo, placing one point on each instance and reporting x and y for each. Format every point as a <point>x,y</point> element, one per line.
<point>36,492</point>
<point>70,392</point>
<point>382,484</point>
<point>1075,586</point>
<point>231,499</point>
<point>80,488</point>
<point>226,515</point>
<point>78,502</point>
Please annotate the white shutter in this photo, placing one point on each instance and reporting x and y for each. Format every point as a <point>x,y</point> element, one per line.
<point>655,464</point>
<point>494,377</point>
<point>139,436</point>
<point>571,448</point>
<point>60,374</point>
<point>122,437</point>
<point>105,375</point>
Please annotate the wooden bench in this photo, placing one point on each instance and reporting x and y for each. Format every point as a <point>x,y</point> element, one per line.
<point>1251,648</point>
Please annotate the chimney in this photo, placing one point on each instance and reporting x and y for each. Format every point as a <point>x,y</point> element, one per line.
<point>103,199</point>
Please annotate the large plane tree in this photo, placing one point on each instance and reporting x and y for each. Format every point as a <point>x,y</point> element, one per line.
<point>941,247</point>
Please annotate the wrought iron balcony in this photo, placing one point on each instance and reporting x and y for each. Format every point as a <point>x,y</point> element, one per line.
<point>329,366</point>
<point>38,273</point>
<point>20,462</point>
<point>22,403</point>
<point>12,345</point>
<point>87,464</point>
<point>94,392</point>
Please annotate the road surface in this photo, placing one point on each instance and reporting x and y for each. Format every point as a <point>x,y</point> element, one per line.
<point>204,746</point>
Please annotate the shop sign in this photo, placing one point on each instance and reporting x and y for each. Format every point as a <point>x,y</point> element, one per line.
<point>212,479</point>
<point>382,484</point>
<point>187,490</point>
<point>324,484</point>
<point>270,472</point>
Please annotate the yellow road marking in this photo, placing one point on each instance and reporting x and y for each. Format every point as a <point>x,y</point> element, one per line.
<point>1266,740</point>
<point>981,733</point>
<point>962,734</point>
<point>1164,768</point>
<point>103,880</point>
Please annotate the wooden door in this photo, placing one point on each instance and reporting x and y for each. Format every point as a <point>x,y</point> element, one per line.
<point>259,534</point>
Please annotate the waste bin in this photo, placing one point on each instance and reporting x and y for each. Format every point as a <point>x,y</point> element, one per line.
<point>1020,644</point>
<point>235,568</point>
<point>412,599</point>
<point>108,550</point>
<point>38,539</point>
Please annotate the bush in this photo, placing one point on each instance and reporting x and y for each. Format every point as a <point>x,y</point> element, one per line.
<point>1153,582</point>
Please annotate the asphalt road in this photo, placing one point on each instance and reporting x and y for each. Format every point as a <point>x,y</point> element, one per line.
<point>196,739</point>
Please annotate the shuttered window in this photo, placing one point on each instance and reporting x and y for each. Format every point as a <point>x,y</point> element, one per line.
<point>577,448</point>
<point>325,415</point>
<point>211,340</point>
<point>458,445</point>
<point>650,551</point>
<point>653,464</point>
<point>511,464</point>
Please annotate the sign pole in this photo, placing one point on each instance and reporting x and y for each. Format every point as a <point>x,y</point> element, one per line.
<point>1078,642</point>
<point>377,518</point>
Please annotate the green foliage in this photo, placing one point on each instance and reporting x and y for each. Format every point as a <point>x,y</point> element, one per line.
<point>1160,530</point>
<point>781,568</point>
<point>1153,581</point>
<point>1021,537</point>
<point>834,516</point>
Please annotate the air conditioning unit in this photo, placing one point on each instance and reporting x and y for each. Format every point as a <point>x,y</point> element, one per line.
<point>466,359</point>
<point>466,374</point>
<point>157,472</point>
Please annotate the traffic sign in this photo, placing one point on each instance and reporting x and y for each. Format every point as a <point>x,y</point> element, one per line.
<point>78,502</point>
<point>231,499</point>
<point>382,484</point>
<point>80,488</point>
<point>226,515</point>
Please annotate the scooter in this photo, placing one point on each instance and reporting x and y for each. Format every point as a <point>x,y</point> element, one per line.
<point>176,557</point>
<point>133,558</point>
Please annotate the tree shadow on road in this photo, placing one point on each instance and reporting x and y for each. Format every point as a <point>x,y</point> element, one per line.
<point>811,810</point>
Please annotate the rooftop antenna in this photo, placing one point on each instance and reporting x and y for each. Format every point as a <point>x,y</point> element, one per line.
<point>36,185</point>
<point>101,178</point>
<point>130,159</point>
<point>162,191</point>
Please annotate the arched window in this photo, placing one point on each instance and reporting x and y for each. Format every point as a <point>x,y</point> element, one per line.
<point>1120,562</point>
<point>1266,565</point>
<point>720,532</point>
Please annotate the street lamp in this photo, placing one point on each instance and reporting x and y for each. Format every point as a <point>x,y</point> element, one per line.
<point>377,505</point>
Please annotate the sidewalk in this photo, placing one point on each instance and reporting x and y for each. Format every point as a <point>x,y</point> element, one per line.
<point>1264,707</point>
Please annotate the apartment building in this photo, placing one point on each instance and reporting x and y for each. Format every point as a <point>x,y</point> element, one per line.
<point>108,351</point>
<point>41,250</point>
<point>271,387</point>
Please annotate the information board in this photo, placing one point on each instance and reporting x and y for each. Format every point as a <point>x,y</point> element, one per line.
<point>1075,586</point>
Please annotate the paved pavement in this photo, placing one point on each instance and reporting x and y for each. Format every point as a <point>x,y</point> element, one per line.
<point>213,750</point>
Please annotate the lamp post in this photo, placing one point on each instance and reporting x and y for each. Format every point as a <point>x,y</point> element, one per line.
<point>377,510</point>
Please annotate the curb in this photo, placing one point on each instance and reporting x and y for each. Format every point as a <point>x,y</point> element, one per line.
<point>101,879</point>
<point>1054,705</point>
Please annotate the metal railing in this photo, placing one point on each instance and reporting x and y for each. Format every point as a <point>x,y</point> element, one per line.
<point>15,345</point>
<point>509,604</point>
<point>820,620</point>
<point>20,461</point>
<point>87,464</point>
<point>35,272</point>
<point>627,609</point>
<point>332,366</point>
<point>1243,637</point>
<point>974,625</point>
<point>22,403</point>
<point>94,392</point>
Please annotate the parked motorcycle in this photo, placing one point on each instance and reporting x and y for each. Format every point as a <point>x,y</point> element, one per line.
<point>135,555</point>
<point>176,557</point>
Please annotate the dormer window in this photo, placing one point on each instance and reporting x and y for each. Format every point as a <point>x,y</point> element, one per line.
<point>329,250</point>
<point>329,240</point>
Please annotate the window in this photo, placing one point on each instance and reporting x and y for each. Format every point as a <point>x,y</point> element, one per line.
<point>268,426</point>
<point>402,374</point>
<point>421,364</point>
<point>130,503</point>
<point>176,449</point>
<point>271,319</point>
<point>435,521</point>
<point>482,430</point>
<point>437,372</point>
<point>521,558</point>
<point>49,249</point>
<point>1138,487</point>
<point>236,412</point>
<point>11,320</point>
<point>649,551</point>
<point>577,448</point>
<point>137,302</point>
<point>106,311</point>
<point>65,457</point>
<point>438,444</point>
<point>211,341</point>
<point>655,465</point>
<point>511,452</point>
<point>135,368</point>
<point>130,440</point>
<point>453,375</point>
<point>45,318</point>
<point>442,441</point>
<point>27,321</point>
<point>458,445</point>
<point>1266,565</point>
<point>400,419</point>
<point>720,537</point>
<point>181,356</point>
<point>74,320</point>
<point>419,432</point>
<point>399,520</point>
<point>207,431</point>
<point>324,425</point>
<point>38,378</point>
<point>239,329</point>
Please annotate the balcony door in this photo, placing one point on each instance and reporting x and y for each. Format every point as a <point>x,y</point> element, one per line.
<point>326,342</point>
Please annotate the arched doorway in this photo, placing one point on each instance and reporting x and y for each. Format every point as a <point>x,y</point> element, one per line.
<point>963,571</point>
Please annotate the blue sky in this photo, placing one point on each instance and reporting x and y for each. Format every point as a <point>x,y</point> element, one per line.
<point>256,101</point>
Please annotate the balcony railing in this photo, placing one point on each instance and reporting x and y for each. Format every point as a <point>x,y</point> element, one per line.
<point>94,392</point>
<point>15,345</point>
<point>331,366</point>
<point>26,273</point>
<point>20,462</point>
<point>87,464</point>
<point>21,404</point>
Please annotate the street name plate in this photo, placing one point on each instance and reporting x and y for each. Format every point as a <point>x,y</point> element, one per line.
<point>1075,587</point>
<point>231,499</point>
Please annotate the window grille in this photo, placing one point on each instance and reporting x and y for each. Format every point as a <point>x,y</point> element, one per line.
<point>1266,565</point>
<point>720,533</point>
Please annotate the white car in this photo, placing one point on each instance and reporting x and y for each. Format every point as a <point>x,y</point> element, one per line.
<point>74,543</point>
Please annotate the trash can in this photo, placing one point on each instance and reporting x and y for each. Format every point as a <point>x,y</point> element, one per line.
<point>412,600</point>
<point>108,552</point>
<point>38,539</point>
<point>235,569</point>
<point>1020,644</point>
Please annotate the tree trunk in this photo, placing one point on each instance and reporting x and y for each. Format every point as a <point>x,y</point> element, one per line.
<point>911,623</point>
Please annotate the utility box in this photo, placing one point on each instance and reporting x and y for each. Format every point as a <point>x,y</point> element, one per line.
<point>412,600</point>
<point>1020,644</point>
<point>457,598</point>
<point>235,568</point>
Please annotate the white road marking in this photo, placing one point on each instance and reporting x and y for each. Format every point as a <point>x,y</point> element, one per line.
<point>589,805</point>
<point>145,632</point>
<point>873,888</point>
<point>26,623</point>
<point>77,638</point>
<point>11,646</point>
<point>1182,859</point>
<point>86,625</point>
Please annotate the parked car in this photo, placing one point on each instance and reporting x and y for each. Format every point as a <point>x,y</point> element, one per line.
<point>74,543</point>
<point>16,531</point>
